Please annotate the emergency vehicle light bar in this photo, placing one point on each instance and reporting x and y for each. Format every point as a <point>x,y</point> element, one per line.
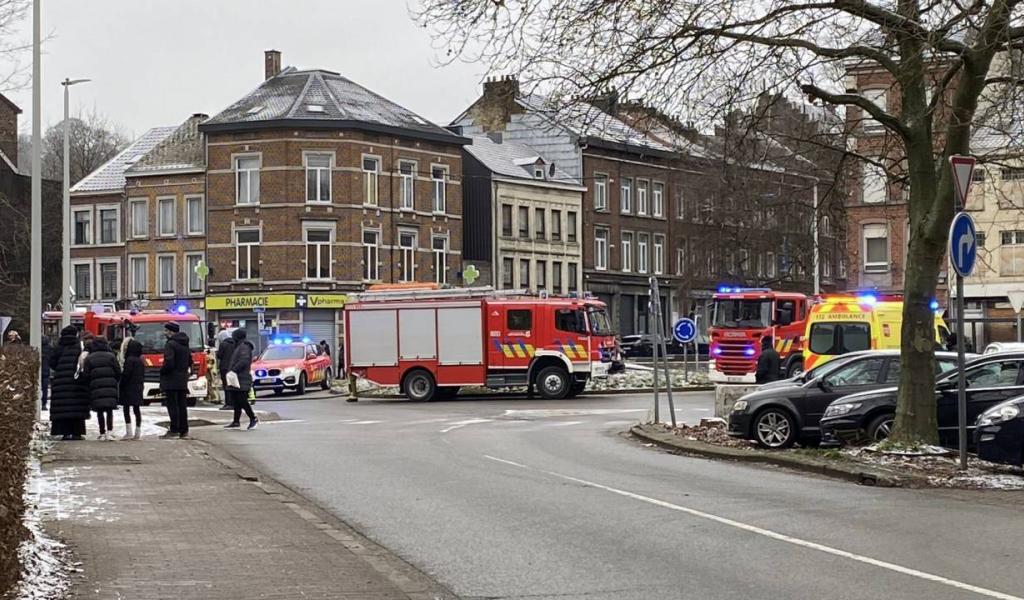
<point>724,289</point>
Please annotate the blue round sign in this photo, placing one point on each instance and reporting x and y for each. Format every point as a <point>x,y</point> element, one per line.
<point>685,330</point>
<point>963,244</point>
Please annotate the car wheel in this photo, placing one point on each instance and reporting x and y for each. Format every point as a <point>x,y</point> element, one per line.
<point>301,388</point>
<point>326,383</point>
<point>420,386</point>
<point>880,427</point>
<point>553,383</point>
<point>774,428</point>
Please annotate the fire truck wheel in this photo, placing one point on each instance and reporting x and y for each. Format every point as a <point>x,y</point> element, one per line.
<point>419,386</point>
<point>553,383</point>
<point>326,383</point>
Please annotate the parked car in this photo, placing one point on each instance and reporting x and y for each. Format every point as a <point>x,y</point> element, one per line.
<point>804,377</point>
<point>1003,347</point>
<point>636,345</point>
<point>291,365</point>
<point>999,433</point>
<point>991,379</point>
<point>777,417</point>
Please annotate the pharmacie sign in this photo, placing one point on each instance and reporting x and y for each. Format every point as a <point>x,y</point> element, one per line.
<point>254,301</point>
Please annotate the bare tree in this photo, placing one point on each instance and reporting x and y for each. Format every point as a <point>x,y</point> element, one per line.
<point>695,58</point>
<point>94,140</point>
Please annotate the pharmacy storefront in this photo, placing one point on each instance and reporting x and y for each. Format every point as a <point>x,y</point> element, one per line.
<point>266,317</point>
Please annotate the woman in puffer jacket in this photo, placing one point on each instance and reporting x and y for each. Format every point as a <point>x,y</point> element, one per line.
<point>102,372</point>
<point>69,399</point>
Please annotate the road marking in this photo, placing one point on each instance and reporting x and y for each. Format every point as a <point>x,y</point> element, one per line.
<point>772,534</point>
<point>282,421</point>
<point>570,412</point>
<point>566,423</point>
<point>458,424</point>
<point>364,422</point>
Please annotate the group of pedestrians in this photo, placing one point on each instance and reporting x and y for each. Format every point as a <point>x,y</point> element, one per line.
<point>234,361</point>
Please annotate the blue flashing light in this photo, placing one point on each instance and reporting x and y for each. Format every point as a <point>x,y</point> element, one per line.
<point>724,289</point>
<point>716,351</point>
<point>934,305</point>
<point>306,340</point>
<point>749,351</point>
<point>869,299</point>
<point>261,372</point>
<point>287,340</point>
<point>182,309</point>
<point>276,341</point>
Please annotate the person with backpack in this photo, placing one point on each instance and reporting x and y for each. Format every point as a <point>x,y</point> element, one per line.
<point>241,367</point>
<point>69,400</point>
<point>102,373</point>
<point>174,379</point>
<point>132,384</point>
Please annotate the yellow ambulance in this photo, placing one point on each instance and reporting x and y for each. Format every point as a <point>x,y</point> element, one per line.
<point>842,323</point>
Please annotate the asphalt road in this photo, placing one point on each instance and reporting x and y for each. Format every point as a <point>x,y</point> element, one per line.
<point>516,498</point>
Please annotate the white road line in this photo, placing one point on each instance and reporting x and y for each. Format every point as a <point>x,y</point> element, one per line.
<point>364,422</point>
<point>459,424</point>
<point>566,423</point>
<point>282,421</point>
<point>774,535</point>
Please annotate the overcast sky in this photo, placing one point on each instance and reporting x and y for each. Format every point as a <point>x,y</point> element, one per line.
<point>155,62</point>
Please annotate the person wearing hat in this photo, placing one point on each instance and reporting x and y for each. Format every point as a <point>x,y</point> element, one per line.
<point>174,379</point>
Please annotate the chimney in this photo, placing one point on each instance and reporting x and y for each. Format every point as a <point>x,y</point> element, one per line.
<point>495,108</point>
<point>9,128</point>
<point>272,63</point>
<point>607,102</point>
<point>495,136</point>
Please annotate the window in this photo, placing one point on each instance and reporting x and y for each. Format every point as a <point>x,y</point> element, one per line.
<point>878,98</point>
<point>538,172</point>
<point>1011,238</point>
<point>524,273</point>
<point>407,185</point>
<point>874,184</point>
<point>438,175</point>
<point>371,255</point>
<point>658,199</point>
<point>371,170</point>
<point>507,274</point>
<point>556,225</point>
<point>139,267</point>
<point>641,197</point>
<point>681,258</point>
<point>979,238</point>
<point>680,206</point>
<point>542,274</point>
<point>539,221</point>
<point>108,281</point>
<point>318,177</point>
<point>570,276</point>
<point>996,374</point>
<point>247,254</point>
<point>439,246</point>
<point>659,254</point>
<point>1011,173</point>
<point>601,249</point>
<point>626,196</point>
<point>524,222</point>
<point>626,252</point>
<point>839,338</point>
<point>165,221</point>
<point>569,320</point>
<point>318,251</point>
<point>978,176</point>
<point>769,265</point>
<point>570,226</point>
<point>247,180</point>
<point>407,245</point>
<point>861,372</point>
<point>507,220</point>
<point>83,282</point>
<point>108,225</point>
<point>140,218</point>
<point>165,276</point>
<point>193,284</point>
<point>195,217</point>
<point>519,320</point>
<point>642,243</point>
<point>83,227</point>
<point>876,248</point>
<point>600,192</point>
<point>556,277</point>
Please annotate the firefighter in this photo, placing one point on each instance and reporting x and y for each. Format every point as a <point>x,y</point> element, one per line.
<point>768,362</point>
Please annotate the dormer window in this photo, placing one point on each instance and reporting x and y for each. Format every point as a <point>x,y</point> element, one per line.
<point>253,111</point>
<point>538,172</point>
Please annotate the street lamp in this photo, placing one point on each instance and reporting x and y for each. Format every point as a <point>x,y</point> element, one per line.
<point>65,292</point>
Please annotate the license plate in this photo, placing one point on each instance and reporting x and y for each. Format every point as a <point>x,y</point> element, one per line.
<point>734,379</point>
<point>267,380</point>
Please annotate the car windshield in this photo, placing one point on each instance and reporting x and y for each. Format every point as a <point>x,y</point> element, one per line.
<point>599,324</point>
<point>839,338</point>
<point>283,353</point>
<point>152,338</point>
<point>743,313</point>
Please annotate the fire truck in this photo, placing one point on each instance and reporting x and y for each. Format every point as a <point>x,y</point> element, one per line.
<point>431,343</point>
<point>741,318</point>
<point>147,328</point>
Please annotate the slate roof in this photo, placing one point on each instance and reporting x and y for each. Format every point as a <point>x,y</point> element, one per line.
<point>319,98</point>
<point>110,176</point>
<point>588,121</point>
<point>509,159</point>
<point>183,149</point>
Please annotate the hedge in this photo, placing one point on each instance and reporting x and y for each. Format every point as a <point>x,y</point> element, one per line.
<point>19,366</point>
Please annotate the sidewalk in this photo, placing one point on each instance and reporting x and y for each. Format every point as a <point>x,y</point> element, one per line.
<point>157,519</point>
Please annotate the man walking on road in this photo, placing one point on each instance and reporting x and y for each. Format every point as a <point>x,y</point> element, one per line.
<point>767,363</point>
<point>224,351</point>
<point>174,379</point>
<point>241,365</point>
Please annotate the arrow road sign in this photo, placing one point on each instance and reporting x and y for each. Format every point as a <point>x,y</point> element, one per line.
<point>963,244</point>
<point>684,331</point>
<point>963,168</point>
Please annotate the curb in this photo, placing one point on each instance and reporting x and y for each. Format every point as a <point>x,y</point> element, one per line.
<point>860,474</point>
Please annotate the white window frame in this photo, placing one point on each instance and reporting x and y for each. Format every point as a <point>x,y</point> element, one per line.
<point>440,258</point>
<point>189,273</point>
<point>643,244</point>
<point>876,266</point>
<point>88,263</point>
<point>681,258</point>
<point>572,233</point>
<point>90,230</point>
<point>642,188</point>
<point>248,174</point>
<point>160,201</point>
<point>407,185</point>
<point>248,250</point>
<point>174,275</point>
<point>658,198</point>
<point>659,254</point>
<point>876,194</point>
<point>370,177</point>
<point>329,155</point>
<point>626,195</point>
<point>99,278</point>
<point>874,95</point>
<point>331,228</point>
<point>600,192</point>
<point>132,203</point>
<point>626,252</point>
<point>770,264</point>
<point>132,291</point>
<point>439,201</point>
<point>371,255</point>
<point>407,254</point>
<point>99,224</point>
<point>680,205</point>
<point>601,248</point>
<point>202,214</point>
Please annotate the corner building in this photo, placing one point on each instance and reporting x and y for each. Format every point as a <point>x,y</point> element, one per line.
<point>316,187</point>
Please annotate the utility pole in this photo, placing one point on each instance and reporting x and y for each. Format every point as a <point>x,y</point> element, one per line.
<point>36,291</point>
<point>65,292</point>
<point>817,247</point>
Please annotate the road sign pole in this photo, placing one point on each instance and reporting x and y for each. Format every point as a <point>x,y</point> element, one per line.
<point>659,326</point>
<point>963,249</point>
<point>961,383</point>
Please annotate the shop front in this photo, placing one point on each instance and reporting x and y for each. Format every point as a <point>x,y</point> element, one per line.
<point>271,316</point>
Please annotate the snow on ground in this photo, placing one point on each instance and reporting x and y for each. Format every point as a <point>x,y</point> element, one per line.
<point>941,467</point>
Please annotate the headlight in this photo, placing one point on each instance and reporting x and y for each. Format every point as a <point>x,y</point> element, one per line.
<point>998,414</point>
<point>290,371</point>
<point>740,406</point>
<point>837,410</point>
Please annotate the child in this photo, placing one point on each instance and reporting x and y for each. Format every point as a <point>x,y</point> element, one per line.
<point>131,388</point>
<point>102,373</point>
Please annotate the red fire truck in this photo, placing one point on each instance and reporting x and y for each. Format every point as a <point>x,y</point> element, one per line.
<point>741,318</point>
<point>433,342</point>
<point>147,328</point>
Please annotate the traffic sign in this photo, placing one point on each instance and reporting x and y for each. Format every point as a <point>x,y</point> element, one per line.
<point>963,244</point>
<point>684,330</point>
<point>963,169</point>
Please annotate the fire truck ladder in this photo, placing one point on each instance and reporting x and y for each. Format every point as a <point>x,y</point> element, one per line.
<point>448,294</point>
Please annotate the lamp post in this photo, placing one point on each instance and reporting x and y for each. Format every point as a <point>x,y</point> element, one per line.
<point>65,293</point>
<point>35,308</point>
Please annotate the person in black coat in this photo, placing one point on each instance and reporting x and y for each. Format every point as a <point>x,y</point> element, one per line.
<point>132,383</point>
<point>241,365</point>
<point>768,364</point>
<point>224,351</point>
<point>102,373</point>
<point>174,375</point>
<point>69,400</point>
<point>44,384</point>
